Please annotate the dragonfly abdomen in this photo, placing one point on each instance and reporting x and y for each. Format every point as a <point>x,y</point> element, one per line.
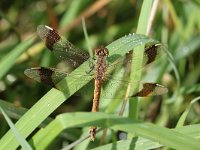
<point>100,70</point>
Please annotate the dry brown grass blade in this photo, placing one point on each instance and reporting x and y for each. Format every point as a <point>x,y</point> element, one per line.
<point>86,14</point>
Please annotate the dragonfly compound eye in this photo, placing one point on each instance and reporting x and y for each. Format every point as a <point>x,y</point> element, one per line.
<point>101,51</point>
<point>106,51</point>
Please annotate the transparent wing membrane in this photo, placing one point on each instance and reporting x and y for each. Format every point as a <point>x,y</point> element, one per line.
<point>63,49</point>
<point>51,76</point>
<point>151,54</point>
<point>145,89</point>
<point>47,76</point>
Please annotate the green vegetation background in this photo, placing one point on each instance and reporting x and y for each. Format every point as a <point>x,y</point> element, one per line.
<point>176,24</point>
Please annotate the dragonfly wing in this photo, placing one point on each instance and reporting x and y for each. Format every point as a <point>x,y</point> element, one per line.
<point>151,53</point>
<point>150,89</point>
<point>49,76</point>
<point>62,49</point>
<point>116,87</point>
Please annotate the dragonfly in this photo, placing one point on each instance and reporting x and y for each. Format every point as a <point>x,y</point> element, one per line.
<point>66,51</point>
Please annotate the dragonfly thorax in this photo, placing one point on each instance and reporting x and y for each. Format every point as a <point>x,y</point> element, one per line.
<point>100,67</point>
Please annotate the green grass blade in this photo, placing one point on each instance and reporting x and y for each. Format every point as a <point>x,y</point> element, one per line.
<point>138,53</point>
<point>185,113</point>
<point>16,113</point>
<point>137,143</point>
<point>19,137</point>
<point>172,62</point>
<point>71,12</point>
<point>33,118</point>
<point>11,58</point>
<point>87,38</point>
<point>142,143</point>
<point>167,137</point>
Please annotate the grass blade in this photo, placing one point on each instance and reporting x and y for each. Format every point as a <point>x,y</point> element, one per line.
<point>167,137</point>
<point>11,58</point>
<point>142,143</point>
<point>19,137</point>
<point>185,113</point>
<point>138,53</point>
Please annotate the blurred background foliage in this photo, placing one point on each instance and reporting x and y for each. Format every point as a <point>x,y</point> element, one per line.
<point>176,24</point>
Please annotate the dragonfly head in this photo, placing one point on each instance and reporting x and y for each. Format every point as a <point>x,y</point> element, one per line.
<point>101,51</point>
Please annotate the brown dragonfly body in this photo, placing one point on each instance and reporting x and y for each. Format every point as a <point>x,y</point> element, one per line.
<point>66,51</point>
<point>100,70</point>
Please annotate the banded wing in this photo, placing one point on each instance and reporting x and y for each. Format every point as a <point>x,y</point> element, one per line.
<point>152,52</point>
<point>150,89</point>
<point>145,89</point>
<point>62,49</point>
<point>49,76</point>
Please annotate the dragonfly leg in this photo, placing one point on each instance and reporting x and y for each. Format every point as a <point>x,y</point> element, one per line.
<point>91,69</point>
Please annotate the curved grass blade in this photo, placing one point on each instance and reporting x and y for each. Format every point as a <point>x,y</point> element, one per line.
<point>16,113</point>
<point>185,113</point>
<point>136,75</point>
<point>19,137</point>
<point>164,136</point>
<point>11,58</point>
<point>142,143</point>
